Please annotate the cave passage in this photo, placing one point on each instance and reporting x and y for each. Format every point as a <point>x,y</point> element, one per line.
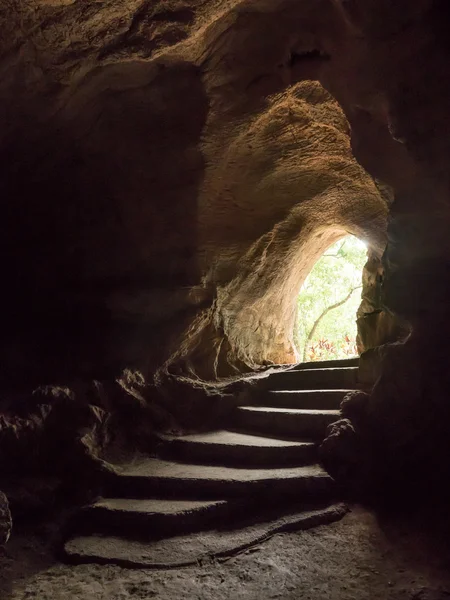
<point>325,327</point>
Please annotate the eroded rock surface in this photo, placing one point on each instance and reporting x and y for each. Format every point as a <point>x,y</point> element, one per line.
<point>5,520</point>
<point>174,180</point>
<point>171,171</point>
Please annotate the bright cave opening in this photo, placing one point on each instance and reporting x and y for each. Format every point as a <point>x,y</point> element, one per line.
<point>328,302</point>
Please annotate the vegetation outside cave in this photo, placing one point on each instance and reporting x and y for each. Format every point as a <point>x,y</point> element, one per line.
<point>328,302</point>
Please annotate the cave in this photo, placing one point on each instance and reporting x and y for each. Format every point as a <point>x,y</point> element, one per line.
<point>170,173</point>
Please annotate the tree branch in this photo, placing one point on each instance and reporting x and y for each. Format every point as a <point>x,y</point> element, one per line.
<point>337,253</point>
<point>321,316</point>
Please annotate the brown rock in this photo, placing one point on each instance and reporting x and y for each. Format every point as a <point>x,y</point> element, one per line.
<point>169,175</point>
<point>5,520</point>
<point>186,246</point>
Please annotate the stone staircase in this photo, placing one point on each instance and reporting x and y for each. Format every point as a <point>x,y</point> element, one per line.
<point>258,475</point>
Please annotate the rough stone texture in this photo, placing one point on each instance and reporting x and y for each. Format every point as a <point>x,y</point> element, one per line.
<point>134,209</point>
<point>400,429</point>
<point>360,556</point>
<point>376,325</point>
<point>170,171</point>
<point>5,520</point>
<point>251,478</point>
<point>186,550</point>
<point>57,443</point>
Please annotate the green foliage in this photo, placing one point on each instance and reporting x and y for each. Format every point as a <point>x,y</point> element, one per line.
<point>333,277</point>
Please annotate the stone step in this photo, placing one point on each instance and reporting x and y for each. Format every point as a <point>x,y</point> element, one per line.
<point>147,518</point>
<point>329,364</point>
<point>309,379</point>
<point>151,477</point>
<point>292,422</point>
<point>194,548</point>
<point>313,399</point>
<point>232,448</point>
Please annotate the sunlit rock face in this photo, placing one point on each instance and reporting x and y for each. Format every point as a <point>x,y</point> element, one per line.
<point>170,172</point>
<point>376,323</point>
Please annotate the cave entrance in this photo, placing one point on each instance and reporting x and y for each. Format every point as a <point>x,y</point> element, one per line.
<point>328,302</point>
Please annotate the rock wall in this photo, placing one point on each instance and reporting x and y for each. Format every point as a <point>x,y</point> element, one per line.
<point>171,170</point>
<point>166,187</point>
<point>376,324</point>
<point>393,441</point>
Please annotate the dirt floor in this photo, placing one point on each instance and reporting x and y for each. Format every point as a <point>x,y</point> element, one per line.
<point>361,557</point>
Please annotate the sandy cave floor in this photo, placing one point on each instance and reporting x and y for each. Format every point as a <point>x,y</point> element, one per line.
<point>360,557</point>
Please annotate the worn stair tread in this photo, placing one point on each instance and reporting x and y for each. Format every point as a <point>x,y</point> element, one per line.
<point>325,364</point>
<point>305,392</point>
<point>149,518</point>
<point>171,479</point>
<point>327,369</point>
<point>320,399</point>
<point>154,468</point>
<point>188,549</point>
<point>235,448</point>
<point>293,423</point>
<point>231,438</point>
<point>318,371</point>
<point>152,506</point>
<point>290,411</point>
<point>325,378</point>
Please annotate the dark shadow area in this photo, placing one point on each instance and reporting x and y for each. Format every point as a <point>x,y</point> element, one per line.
<point>93,243</point>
